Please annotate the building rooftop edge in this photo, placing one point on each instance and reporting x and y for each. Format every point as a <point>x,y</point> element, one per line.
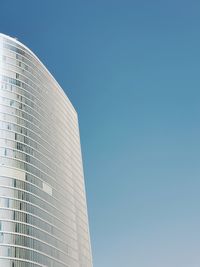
<point>15,39</point>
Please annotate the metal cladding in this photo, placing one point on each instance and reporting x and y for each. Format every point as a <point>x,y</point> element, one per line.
<point>43,211</point>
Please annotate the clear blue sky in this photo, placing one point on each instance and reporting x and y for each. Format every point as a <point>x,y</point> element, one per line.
<point>132,71</point>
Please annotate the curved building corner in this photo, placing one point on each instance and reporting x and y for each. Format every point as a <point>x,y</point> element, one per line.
<point>43,210</point>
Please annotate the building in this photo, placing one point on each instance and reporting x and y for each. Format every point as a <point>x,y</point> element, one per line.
<point>43,211</point>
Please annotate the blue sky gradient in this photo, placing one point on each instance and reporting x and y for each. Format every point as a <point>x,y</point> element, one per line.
<point>131,69</point>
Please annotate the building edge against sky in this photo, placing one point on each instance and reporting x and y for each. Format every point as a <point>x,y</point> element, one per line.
<point>43,209</point>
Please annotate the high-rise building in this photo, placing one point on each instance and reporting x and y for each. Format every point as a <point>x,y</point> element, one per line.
<point>43,211</point>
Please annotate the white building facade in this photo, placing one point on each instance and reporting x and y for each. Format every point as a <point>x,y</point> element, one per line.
<point>43,211</point>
